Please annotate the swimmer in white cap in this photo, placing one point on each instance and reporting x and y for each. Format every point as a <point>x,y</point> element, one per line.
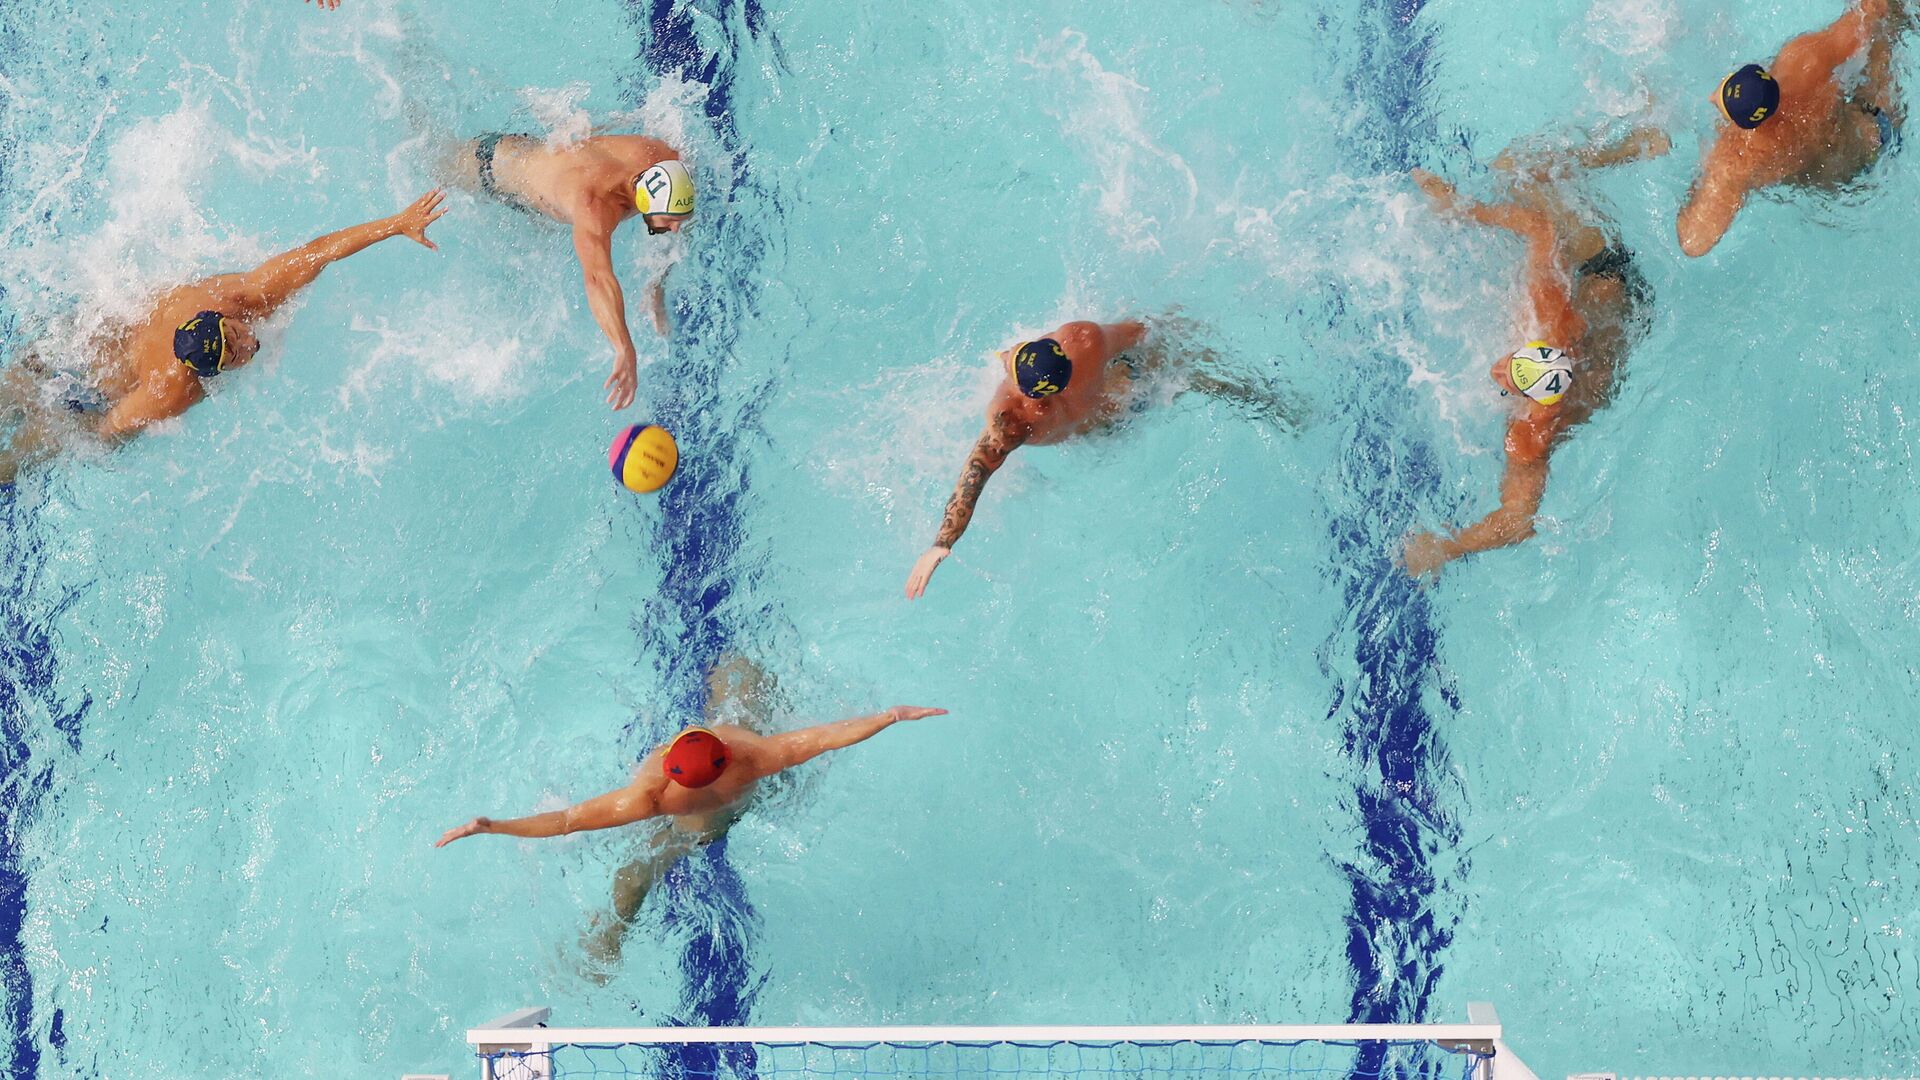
<point>592,185</point>
<point>1588,304</point>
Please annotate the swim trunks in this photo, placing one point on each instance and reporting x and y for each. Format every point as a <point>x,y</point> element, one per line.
<point>1138,401</point>
<point>76,393</point>
<point>1889,134</point>
<point>1616,262</point>
<point>483,152</point>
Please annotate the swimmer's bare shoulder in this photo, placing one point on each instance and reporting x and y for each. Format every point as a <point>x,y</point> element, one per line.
<point>643,150</point>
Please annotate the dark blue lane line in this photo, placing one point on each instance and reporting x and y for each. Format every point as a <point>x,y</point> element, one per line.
<point>1396,938</point>
<point>700,530</point>
<point>25,664</point>
<point>29,672</point>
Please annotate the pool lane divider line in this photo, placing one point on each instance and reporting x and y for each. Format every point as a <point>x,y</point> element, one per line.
<point>700,525</point>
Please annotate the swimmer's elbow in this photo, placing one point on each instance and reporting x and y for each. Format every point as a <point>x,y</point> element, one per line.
<point>1703,221</point>
<point>1695,243</point>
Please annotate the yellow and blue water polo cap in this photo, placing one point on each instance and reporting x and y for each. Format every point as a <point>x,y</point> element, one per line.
<point>666,188</point>
<point>201,344</point>
<point>1040,368</point>
<point>1748,96</point>
<point>1541,372</point>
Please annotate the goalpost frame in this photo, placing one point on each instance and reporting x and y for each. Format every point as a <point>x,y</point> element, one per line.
<point>524,1032</point>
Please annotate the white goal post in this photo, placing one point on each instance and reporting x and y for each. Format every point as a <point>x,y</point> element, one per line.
<point>520,1046</point>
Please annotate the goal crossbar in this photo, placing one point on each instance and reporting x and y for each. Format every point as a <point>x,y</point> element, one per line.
<point>1486,1034</point>
<point>519,1046</point>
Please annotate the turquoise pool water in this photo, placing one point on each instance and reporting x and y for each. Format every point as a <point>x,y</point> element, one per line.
<point>1647,783</point>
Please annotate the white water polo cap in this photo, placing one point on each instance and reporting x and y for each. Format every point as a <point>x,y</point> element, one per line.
<point>1541,372</point>
<point>666,188</point>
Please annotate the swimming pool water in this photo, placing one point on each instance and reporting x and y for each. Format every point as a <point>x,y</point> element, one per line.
<point>1646,782</point>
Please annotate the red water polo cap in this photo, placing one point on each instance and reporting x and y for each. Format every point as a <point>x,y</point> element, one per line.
<point>696,758</point>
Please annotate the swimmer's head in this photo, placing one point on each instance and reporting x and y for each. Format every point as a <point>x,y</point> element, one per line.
<point>664,196</point>
<point>695,758</point>
<point>210,343</point>
<point>1748,96</point>
<point>1040,368</point>
<point>1539,372</point>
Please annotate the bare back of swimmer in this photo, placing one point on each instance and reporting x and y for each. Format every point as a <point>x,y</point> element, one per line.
<point>592,186</point>
<point>1796,124</point>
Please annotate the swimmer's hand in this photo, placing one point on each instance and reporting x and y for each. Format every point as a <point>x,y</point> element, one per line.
<point>477,825</point>
<point>1425,554</point>
<point>923,570</point>
<point>328,4</point>
<point>621,383</point>
<point>1442,193</point>
<point>902,713</point>
<point>413,221</point>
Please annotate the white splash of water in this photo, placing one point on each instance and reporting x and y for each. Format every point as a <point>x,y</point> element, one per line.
<point>1144,185</point>
<point>561,113</point>
<point>441,342</point>
<point>1632,27</point>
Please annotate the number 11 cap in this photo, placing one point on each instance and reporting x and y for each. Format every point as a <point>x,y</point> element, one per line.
<point>666,188</point>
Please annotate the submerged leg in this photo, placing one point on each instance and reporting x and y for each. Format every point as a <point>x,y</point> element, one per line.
<point>1262,401</point>
<point>1880,82</point>
<point>1173,348</point>
<point>631,883</point>
<point>741,692</point>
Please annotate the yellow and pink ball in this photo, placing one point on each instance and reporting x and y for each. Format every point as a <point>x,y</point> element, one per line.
<point>644,457</point>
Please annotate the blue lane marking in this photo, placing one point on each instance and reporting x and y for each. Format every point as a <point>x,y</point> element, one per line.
<point>29,669</point>
<point>700,527</point>
<point>24,656</point>
<point>1395,937</point>
<point>26,660</point>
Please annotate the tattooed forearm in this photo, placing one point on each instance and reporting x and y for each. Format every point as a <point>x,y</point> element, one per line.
<point>960,506</point>
<point>1002,435</point>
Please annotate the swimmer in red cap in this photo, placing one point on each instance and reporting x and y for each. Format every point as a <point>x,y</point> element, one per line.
<point>703,780</point>
<point>1587,306</point>
<point>1826,110</point>
<point>1076,380</point>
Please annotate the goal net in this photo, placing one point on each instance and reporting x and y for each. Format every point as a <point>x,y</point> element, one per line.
<point>521,1047</point>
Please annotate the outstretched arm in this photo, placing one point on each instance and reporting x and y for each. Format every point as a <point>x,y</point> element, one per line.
<point>797,747</point>
<point>1715,201</point>
<point>1546,284</point>
<point>635,802</point>
<point>594,246</point>
<point>259,292</point>
<point>1521,490</point>
<point>1004,433</point>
